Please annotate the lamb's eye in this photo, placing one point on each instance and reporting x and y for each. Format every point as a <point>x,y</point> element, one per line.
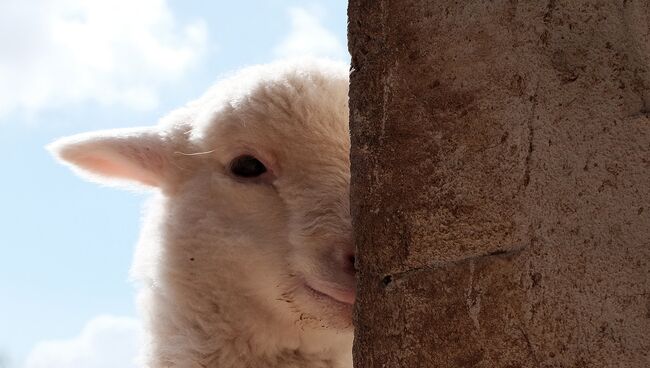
<point>247,167</point>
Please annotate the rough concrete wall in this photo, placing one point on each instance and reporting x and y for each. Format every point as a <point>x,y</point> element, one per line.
<point>501,182</point>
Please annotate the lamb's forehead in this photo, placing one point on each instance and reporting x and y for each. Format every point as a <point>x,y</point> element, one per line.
<point>276,106</point>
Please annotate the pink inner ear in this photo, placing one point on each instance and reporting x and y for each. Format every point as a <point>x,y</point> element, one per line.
<point>135,154</point>
<point>117,167</point>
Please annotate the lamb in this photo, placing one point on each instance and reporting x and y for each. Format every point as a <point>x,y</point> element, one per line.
<point>246,254</point>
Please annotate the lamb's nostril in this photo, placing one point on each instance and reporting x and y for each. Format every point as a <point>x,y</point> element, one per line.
<point>351,263</point>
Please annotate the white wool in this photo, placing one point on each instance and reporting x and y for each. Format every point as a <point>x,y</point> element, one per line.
<point>242,272</point>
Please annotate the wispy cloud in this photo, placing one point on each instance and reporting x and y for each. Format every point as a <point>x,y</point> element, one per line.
<point>4,360</point>
<point>308,37</point>
<point>105,342</point>
<point>56,52</point>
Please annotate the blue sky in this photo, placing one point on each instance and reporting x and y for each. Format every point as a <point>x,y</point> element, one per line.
<point>68,66</point>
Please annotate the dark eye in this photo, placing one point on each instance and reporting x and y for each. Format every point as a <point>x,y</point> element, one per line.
<point>247,167</point>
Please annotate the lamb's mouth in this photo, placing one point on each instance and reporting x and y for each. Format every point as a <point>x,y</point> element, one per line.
<point>328,290</point>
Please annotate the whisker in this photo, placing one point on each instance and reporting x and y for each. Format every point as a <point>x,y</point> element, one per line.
<point>194,153</point>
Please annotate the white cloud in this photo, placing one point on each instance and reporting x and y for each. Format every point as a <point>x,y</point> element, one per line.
<point>105,342</point>
<point>308,37</point>
<point>55,52</point>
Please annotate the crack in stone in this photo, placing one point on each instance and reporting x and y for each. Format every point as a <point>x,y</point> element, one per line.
<point>529,346</point>
<point>473,300</point>
<point>397,276</point>
<point>531,136</point>
<point>386,90</point>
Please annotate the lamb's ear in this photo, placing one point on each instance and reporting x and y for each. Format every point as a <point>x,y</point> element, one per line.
<point>136,155</point>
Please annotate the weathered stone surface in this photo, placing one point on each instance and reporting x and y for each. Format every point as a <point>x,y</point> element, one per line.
<point>501,182</point>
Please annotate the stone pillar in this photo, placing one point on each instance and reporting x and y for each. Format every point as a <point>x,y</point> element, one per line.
<point>501,182</point>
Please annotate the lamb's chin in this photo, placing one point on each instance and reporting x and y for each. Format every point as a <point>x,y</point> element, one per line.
<point>319,310</point>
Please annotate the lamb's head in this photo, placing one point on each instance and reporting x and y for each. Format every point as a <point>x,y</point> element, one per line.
<point>254,182</point>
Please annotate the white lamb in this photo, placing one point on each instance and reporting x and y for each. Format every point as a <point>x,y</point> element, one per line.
<point>246,254</point>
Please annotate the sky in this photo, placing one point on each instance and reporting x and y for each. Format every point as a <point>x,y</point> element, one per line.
<point>70,66</point>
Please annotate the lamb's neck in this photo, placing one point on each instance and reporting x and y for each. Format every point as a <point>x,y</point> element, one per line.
<point>229,338</point>
<point>262,344</point>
